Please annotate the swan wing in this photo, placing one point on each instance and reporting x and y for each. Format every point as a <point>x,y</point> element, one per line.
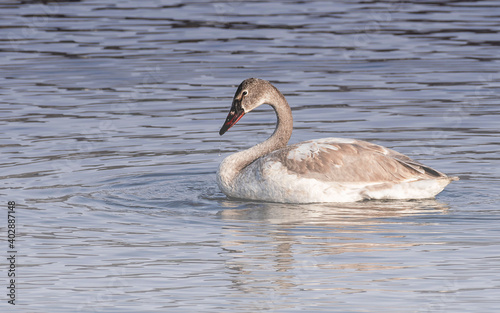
<point>350,160</point>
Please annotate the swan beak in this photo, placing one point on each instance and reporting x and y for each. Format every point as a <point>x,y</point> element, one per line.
<point>235,114</point>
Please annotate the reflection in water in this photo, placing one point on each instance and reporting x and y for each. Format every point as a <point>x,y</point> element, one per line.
<point>284,249</point>
<point>329,214</point>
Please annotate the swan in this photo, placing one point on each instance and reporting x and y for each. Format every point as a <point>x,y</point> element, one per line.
<point>314,171</point>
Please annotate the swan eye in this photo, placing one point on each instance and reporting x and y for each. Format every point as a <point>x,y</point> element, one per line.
<point>244,93</point>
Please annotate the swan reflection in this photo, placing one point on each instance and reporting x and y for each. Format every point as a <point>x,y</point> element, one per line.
<point>274,250</point>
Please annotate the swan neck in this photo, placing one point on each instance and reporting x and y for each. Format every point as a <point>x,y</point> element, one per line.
<point>232,166</point>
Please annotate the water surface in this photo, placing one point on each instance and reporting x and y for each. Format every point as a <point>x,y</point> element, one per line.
<point>110,115</point>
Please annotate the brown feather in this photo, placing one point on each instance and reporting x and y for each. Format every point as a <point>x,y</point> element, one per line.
<point>355,161</point>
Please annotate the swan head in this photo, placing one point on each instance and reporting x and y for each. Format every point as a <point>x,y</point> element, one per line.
<point>251,93</point>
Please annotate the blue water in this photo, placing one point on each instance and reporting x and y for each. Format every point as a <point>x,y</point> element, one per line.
<point>110,115</point>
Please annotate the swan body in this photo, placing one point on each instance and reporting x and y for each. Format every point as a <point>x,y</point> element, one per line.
<point>321,170</point>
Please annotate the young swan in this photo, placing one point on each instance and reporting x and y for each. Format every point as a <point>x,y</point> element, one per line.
<point>321,170</point>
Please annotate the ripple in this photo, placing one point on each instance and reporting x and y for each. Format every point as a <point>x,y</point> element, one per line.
<point>110,146</point>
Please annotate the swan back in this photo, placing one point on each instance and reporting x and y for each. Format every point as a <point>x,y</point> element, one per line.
<point>350,160</point>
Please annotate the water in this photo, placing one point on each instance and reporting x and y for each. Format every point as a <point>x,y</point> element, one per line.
<point>110,115</point>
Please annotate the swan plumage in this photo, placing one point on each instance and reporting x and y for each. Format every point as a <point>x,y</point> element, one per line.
<point>321,170</point>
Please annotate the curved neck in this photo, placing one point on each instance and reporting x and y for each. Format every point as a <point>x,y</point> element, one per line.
<point>235,163</point>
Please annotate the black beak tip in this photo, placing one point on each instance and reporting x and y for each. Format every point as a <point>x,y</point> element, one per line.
<point>224,129</point>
